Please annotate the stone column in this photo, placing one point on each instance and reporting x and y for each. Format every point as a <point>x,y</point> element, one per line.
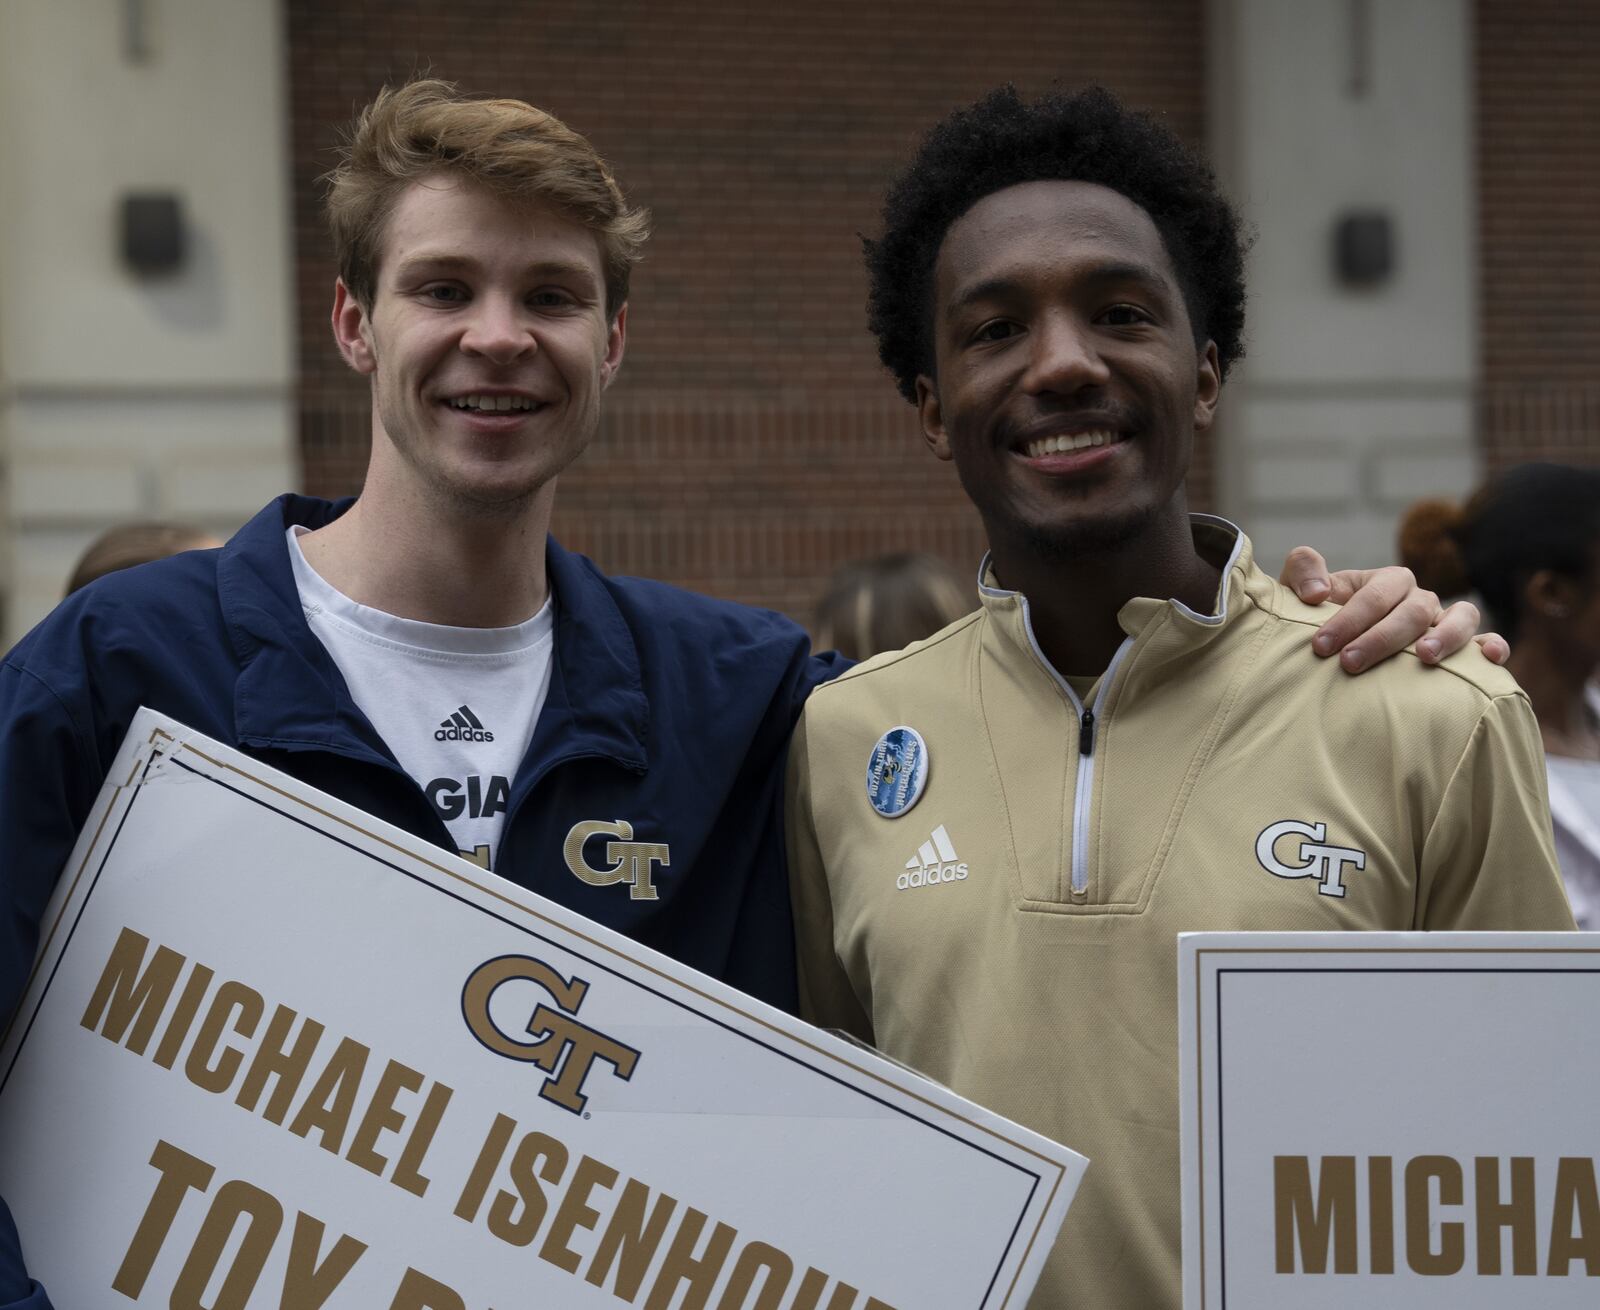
<point>1357,396</point>
<point>124,394</point>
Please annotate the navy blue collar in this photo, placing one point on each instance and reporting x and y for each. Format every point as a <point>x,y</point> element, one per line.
<point>290,694</point>
<point>597,702</point>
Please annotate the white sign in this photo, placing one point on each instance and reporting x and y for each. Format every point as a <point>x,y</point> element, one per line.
<point>276,1053</point>
<point>1390,1119</point>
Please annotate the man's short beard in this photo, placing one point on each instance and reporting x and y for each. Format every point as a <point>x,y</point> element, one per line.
<point>1080,539</point>
<point>459,502</point>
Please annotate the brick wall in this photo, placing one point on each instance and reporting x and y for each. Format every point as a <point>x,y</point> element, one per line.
<point>752,443</point>
<point>1539,174</point>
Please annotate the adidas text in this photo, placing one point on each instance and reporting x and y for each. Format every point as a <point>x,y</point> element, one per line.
<point>934,873</point>
<point>462,725</point>
<point>936,861</point>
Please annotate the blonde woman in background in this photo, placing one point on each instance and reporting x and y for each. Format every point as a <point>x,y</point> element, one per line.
<point>128,544</point>
<point>1529,544</point>
<point>880,604</point>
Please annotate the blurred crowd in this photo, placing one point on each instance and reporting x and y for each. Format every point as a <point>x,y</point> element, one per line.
<point>1526,545</point>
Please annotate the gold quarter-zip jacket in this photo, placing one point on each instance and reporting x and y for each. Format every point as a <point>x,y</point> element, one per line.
<point>1012,933</point>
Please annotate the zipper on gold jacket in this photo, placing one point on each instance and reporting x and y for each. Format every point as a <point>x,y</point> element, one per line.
<point>1083,790</point>
<point>1090,726</point>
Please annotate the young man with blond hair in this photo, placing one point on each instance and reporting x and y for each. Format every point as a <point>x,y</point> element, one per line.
<point>426,653</point>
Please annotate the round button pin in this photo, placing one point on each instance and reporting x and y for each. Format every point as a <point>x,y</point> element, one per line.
<point>897,771</point>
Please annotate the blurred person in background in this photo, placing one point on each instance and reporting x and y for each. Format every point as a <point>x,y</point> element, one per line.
<point>1528,543</point>
<point>889,601</point>
<point>128,544</point>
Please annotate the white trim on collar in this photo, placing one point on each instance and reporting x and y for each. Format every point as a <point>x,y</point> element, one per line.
<point>1195,520</point>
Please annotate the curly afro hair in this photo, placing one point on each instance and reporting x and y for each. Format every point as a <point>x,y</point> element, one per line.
<point>1089,136</point>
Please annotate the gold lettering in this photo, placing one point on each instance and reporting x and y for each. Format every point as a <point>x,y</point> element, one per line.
<point>1518,1214</point>
<point>843,1298</point>
<point>181,1173</point>
<point>307,1285</point>
<point>586,1046</point>
<point>419,1292</point>
<point>287,1067</point>
<point>776,1270</point>
<point>641,859</point>
<point>235,1200</point>
<point>407,1169</point>
<point>128,1000</point>
<point>808,1294</point>
<point>1452,1252</point>
<point>183,1015</point>
<point>333,1099</point>
<point>575,1212</point>
<point>558,1034</point>
<point>630,1240</point>
<point>483,1168</point>
<point>381,1117</point>
<point>489,976</point>
<point>572,850</point>
<point>504,1220</point>
<point>230,996</point>
<point>1576,1199</point>
<point>1380,1216</point>
<point>1329,1220</point>
<point>683,1266</point>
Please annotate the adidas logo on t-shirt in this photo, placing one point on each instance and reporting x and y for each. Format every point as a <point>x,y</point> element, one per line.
<point>463,725</point>
<point>936,861</point>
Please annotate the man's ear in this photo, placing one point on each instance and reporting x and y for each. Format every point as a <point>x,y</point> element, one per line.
<point>352,331</point>
<point>1207,388</point>
<point>932,415</point>
<point>616,342</point>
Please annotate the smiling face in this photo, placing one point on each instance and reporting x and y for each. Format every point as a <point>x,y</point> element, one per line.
<point>1069,387</point>
<point>488,347</point>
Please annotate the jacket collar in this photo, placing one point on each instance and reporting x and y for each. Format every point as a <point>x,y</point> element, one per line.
<point>1216,538</point>
<point>597,703</point>
<point>290,695</point>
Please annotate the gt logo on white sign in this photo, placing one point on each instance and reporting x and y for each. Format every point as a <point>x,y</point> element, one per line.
<point>629,861</point>
<point>1316,859</point>
<point>564,1048</point>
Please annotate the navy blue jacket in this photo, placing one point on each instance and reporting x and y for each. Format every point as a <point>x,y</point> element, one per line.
<point>666,709</point>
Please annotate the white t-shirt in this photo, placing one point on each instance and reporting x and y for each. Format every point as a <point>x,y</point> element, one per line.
<point>1575,807</point>
<point>457,706</point>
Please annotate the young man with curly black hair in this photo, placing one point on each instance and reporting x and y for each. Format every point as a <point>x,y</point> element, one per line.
<point>1131,738</point>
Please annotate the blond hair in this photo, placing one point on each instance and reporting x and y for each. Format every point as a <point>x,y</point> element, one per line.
<point>888,602</point>
<point>518,152</point>
<point>127,544</point>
